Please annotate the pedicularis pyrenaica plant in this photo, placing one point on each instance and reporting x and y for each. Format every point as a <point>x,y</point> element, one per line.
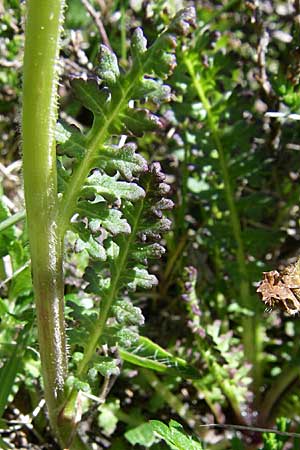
<point>99,190</point>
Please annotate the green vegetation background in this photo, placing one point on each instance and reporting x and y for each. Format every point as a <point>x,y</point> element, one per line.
<point>229,146</point>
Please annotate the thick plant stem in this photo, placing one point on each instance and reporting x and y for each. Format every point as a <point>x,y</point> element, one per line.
<point>251,333</point>
<point>44,20</point>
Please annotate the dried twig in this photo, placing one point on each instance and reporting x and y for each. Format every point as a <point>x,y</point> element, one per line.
<point>268,94</point>
<point>262,49</point>
<point>15,64</point>
<point>97,18</point>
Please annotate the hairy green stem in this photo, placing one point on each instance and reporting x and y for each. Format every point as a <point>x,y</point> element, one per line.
<point>42,40</point>
<point>251,332</point>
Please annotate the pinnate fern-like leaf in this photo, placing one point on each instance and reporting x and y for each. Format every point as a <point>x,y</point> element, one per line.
<point>146,223</point>
<point>110,199</point>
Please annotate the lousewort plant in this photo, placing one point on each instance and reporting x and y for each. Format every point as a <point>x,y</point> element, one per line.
<point>97,189</point>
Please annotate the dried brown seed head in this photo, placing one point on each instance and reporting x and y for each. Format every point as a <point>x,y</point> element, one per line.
<point>282,289</point>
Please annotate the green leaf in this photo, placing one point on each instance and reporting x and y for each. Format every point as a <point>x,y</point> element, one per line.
<point>101,216</point>
<point>174,435</point>
<point>127,314</point>
<point>126,337</point>
<point>8,235</point>
<point>138,44</point>
<point>76,383</point>
<point>97,284</point>
<point>183,21</point>
<point>91,96</point>
<point>139,277</point>
<point>109,192</point>
<point>274,441</point>
<point>124,160</point>
<point>108,417</point>
<point>148,354</point>
<point>138,121</point>
<point>143,252</point>
<point>106,366</point>
<point>72,141</point>
<point>142,435</point>
<point>11,367</point>
<point>5,445</point>
<point>110,188</point>
<point>155,90</point>
<point>108,68</point>
<point>94,249</point>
